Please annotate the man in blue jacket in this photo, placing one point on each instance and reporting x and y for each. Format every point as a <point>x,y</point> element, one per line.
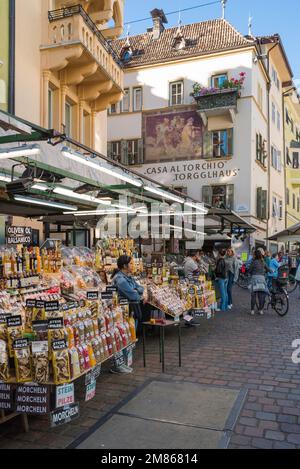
<point>274,266</point>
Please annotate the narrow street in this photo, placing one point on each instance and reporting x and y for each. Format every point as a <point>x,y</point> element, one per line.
<point>234,351</point>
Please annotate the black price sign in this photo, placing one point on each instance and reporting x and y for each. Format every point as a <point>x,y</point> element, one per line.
<point>3,318</point>
<point>39,304</point>
<point>106,296</point>
<point>111,289</point>
<point>6,396</point>
<point>14,321</point>
<point>93,375</point>
<point>64,415</point>
<point>51,306</point>
<point>59,345</point>
<point>20,343</point>
<point>199,313</point>
<point>55,323</point>
<point>18,235</point>
<point>34,400</point>
<point>119,359</point>
<point>30,303</point>
<point>92,295</point>
<point>123,301</point>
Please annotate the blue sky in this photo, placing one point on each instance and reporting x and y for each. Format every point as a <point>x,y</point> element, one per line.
<point>269,16</point>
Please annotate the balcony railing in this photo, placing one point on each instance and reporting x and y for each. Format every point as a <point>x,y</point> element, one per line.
<point>71,11</point>
<point>222,99</point>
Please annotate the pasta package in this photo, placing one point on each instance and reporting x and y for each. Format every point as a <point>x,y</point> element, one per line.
<point>40,362</point>
<point>4,362</point>
<point>60,362</point>
<point>23,365</point>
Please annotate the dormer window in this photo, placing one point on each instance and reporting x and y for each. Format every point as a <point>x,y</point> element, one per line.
<point>179,40</point>
<point>126,55</point>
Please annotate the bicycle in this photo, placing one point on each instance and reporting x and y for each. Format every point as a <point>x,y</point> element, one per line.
<point>292,284</point>
<point>278,299</point>
<point>244,278</point>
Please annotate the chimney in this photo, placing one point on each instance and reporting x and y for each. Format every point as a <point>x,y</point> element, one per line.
<point>159,20</point>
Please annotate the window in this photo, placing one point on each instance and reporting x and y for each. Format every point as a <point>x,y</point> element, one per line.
<point>275,78</point>
<point>292,125</point>
<point>288,158</point>
<point>125,103</point>
<point>176,93</point>
<point>137,99</point>
<point>273,113</point>
<point>68,119</point>
<point>294,202</point>
<point>219,196</point>
<point>287,196</point>
<point>295,160</point>
<point>276,159</point>
<point>298,204</point>
<point>113,109</point>
<point>261,204</point>
<point>274,207</point>
<point>260,150</point>
<point>217,81</point>
<point>114,151</point>
<point>218,144</point>
<point>279,164</point>
<point>278,120</point>
<point>50,108</point>
<point>280,209</point>
<point>132,152</point>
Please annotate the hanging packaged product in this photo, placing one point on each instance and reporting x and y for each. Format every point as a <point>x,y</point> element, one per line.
<point>60,362</point>
<point>74,363</point>
<point>14,331</point>
<point>40,362</point>
<point>4,362</point>
<point>23,361</point>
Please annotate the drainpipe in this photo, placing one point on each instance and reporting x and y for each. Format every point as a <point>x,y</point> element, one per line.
<point>12,54</point>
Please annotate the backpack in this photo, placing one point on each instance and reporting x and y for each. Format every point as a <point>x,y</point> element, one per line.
<point>220,269</point>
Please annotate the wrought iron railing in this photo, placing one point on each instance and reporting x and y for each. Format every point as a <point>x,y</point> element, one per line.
<point>68,12</point>
<point>216,100</point>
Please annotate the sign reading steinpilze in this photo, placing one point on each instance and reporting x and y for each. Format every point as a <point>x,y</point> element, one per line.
<point>18,235</point>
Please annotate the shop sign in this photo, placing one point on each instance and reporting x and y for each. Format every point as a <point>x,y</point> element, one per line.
<point>32,399</point>
<point>90,392</point>
<point>64,415</point>
<point>18,235</point>
<point>92,295</point>
<point>64,395</point>
<point>202,314</point>
<point>92,375</point>
<point>6,396</point>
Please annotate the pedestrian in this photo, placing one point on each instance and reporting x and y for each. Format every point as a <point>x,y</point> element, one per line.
<point>190,264</point>
<point>259,288</point>
<point>129,288</point>
<point>268,258</point>
<point>232,267</point>
<point>273,267</point>
<point>222,280</point>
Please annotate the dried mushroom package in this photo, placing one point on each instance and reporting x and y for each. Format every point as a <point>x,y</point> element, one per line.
<point>4,362</point>
<point>14,332</point>
<point>23,365</point>
<point>61,366</point>
<point>40,362</point>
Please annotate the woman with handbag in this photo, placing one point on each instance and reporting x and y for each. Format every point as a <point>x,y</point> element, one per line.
<point>258,286</point>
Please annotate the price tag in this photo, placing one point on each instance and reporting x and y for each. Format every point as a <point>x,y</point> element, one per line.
<point>199,313</point>
<point>123,301</point>
<point>55,323</point>
<point>92,295</point>
<point>32,399</point>
<point>59,345</point>
<point>51,306</point>
<point>106,296</point>
<point>30,303</point>
<point>111,289</point>
<point>20,343</point>
<point>3,318</point>
<point>39,304</point>
<point>14,321</point>
<point>6,396</point>
<point>64,395</point>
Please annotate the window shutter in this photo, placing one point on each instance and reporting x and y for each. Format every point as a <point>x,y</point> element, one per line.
<point>230,196</point>
<point>140,151</point>
<point>257,146</point>
<point>124,152</point>
<point>230,142</point>
<point>207,195</point>
<point>264,205</point>
<point>279,164</point>
<point>259,203</point>
<point>207,145</point>
<point>109,150</point>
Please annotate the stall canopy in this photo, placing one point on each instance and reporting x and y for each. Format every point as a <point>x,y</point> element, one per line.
<point>47,175</point>
<point>289,235</point>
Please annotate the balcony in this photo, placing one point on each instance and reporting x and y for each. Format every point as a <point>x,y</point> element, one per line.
<point>73,44</point>
<point>219,103</point>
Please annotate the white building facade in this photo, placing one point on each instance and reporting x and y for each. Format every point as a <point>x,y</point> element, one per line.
<point>225,148</point>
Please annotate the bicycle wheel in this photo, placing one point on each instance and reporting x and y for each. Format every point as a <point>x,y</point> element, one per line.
<point>292,285</point>
<point>243,281</point>
<point>280,303</point>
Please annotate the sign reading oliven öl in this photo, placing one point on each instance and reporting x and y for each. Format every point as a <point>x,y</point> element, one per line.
<point>18,235</point>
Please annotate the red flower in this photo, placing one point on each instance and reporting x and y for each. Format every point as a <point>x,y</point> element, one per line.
<point>242,74</point>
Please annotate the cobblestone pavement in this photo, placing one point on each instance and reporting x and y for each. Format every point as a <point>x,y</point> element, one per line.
<point>234,350</point>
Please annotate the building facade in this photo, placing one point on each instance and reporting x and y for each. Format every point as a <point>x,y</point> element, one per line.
<point>225,147</point>
<point>292,152</point>
<point>4,54</point>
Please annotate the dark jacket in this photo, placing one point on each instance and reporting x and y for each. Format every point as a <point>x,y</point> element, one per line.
<point>128,287</point>
<point>221,269</point>
<point>258,267</point>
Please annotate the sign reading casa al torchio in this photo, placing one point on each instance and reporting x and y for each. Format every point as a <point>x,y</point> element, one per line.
<point>190,171</point>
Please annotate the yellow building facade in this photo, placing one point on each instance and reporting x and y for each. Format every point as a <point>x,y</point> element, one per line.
<point>67,74</point>
<point>292,156</point>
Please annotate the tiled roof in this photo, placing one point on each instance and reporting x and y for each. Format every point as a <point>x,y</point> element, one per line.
<point>201,38</point>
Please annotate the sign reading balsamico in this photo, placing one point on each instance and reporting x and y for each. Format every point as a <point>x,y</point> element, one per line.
<point>170,173</point>
<point>18,235</point>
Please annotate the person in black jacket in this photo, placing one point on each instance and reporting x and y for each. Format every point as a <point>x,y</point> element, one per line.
<point>222,280</point>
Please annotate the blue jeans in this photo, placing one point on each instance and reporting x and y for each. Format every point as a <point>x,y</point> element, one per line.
<point>223,282</point>
<point>229,287</point>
